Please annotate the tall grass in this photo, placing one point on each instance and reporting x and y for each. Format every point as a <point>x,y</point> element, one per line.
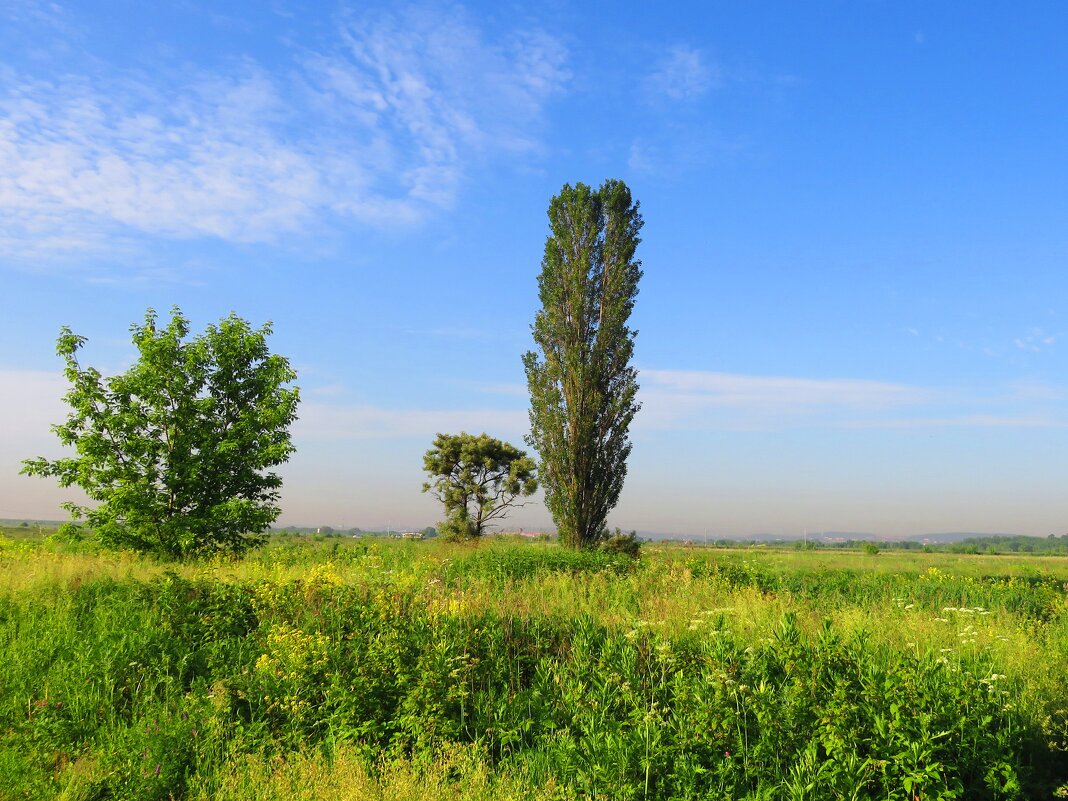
<point>515,670</point>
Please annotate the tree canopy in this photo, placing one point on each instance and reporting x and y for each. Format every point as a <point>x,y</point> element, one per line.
<point>477,479</point>
<point>582,385</point>
<point>176,451</point>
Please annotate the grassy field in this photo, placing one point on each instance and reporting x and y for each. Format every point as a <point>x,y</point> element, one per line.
<point>353,669</point>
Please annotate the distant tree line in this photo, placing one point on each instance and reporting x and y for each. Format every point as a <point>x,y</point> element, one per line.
<point>992,544</point>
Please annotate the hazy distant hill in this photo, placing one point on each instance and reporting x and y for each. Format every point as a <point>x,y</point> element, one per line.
<point>957,536</point>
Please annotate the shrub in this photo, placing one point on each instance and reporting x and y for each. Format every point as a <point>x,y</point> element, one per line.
<point>622,544</point>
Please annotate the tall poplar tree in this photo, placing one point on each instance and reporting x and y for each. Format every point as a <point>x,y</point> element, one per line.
<point>582,385</point>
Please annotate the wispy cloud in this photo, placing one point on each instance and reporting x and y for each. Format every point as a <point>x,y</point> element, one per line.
<point>679,400</point>
<point>673,139</point>
<point>766,392</point>
<point>84,169</point>
<point>1035,341</point>
<point>696,400</point>
<point>961,421</point>
<point>380,127</point>
<point>1035,391</point>
<point>682,73</point>
<point>435,91</point>
<point>677,150</point>
<point>700,401</point>
<point>42,15</point>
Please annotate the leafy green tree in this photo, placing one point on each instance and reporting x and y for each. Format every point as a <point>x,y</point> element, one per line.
<point>583,387</point>
<point>477,479</point>
<point>177,450</point>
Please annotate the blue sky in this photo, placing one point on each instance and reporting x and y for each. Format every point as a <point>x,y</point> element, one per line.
<point>852,316</point>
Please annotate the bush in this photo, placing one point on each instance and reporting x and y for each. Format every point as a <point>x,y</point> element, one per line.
<point>622,544</point>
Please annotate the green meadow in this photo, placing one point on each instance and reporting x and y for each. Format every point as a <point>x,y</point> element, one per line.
<point>369,668</point>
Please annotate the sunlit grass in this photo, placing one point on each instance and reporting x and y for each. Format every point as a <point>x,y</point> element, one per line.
<point>371,668</point>
<point>455,774</point>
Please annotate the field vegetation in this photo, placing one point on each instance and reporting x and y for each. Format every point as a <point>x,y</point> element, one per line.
<point>352,669</point>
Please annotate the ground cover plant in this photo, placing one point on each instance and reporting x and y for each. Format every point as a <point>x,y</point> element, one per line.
<point>370,668</point>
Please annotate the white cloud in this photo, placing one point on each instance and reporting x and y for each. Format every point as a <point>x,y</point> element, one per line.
<point>677,151</point>
<point>79,166</point>
<point>1035,391</point>
<point>42,15</point>
<point>643,157</point>
<point>683,73</point>
<point>747,391</point>
<point>691,399</point>
<point>962,420</point>
<point>1035,341</point>
<point>381,128</point>
<point>432,81</point>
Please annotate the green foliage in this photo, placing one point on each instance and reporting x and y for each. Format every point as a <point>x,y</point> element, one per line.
<point>458,527</point>
<point>477,479</point>
<point>582,386</point>
<point>989,544</point>
<point>535,561</point>
<point>626,544</point>
<point>379,654</point>
<point>176,450</point>
<point>1013,543</point>
<point>870,548</point>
